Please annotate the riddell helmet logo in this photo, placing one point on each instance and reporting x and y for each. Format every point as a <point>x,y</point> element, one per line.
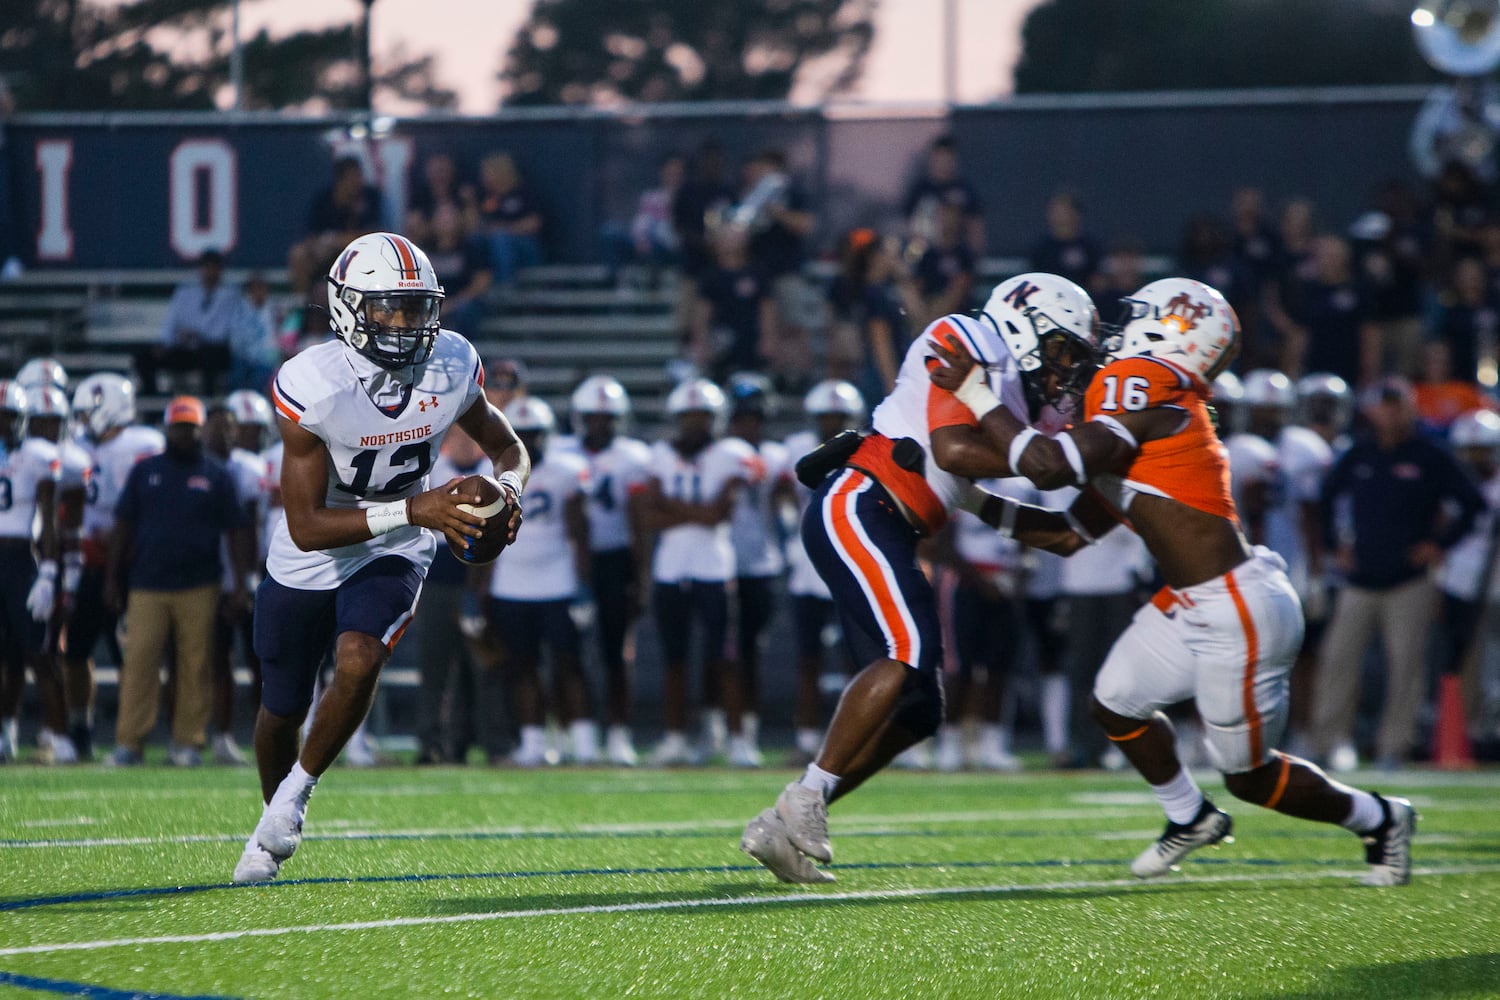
<point>1183,313</point>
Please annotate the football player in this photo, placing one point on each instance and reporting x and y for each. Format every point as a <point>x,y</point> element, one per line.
<point>755,530</point>
<point>832,406</point>
<point>532,587</point>
<point>690,495</point>
<point>361,418</point>
<point>620,553</point>
<point>861,530</point>
<point>104,409</point>
<point>1226,627</point>
<point>1326,404</point>
<point>29,473</point>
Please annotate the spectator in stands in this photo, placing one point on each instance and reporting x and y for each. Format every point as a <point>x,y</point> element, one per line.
<point>1468,319</point>
<point>1442,396</point>
<point>507,216</point>
<point>504,380</point>
<point>775,214</point>
<point>1392,250</point>
<point>651,241</point>
<point>1384,518</point>
<point>463,268</point>
<point>1124,272</point>
<point>1328,327</point>
<point>347,208</point>
<point>1257,246</point>
<point>1206,254</point>
<point>1065,248</point>
<point>164,573</point>
<point>943,185</point>
<point>196,333</point>
<point>870,301</point>
<point>735,312</point>
<point>945,271</point>
<point>706,195</point>
<point>439,190</point>
<point>254,348</point>
<point>1460,211</point>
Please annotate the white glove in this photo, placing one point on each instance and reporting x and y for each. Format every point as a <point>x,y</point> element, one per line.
<point>43,594</point>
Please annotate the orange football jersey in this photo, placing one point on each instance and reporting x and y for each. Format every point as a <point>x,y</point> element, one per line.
<point>1191,466</point>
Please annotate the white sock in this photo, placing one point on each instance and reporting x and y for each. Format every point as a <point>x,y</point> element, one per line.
<point>1365,813</point>
<point>820,780</point>
<point>809,740</point>
<point>533,739</point>
<point>750,727</point>
<point>585,736</point>
<point>950,739</point>
<point>298,784</point>
<point>992,734</point>
<point>1179,798</point>
<point>1056,696</point>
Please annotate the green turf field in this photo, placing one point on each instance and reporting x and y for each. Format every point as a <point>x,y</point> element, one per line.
<point>418,883</point>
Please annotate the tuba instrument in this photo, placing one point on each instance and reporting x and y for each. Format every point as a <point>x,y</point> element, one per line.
<point>1459,121</point>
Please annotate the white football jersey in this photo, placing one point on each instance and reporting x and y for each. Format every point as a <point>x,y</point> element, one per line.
<point>802,579</point>
<point>753,526</point>
<point>905,412</point>
<point>1043,579</point>
<point>1464,565</point>
<point>112,462</point>
<point>31,463</point>
<point>539,564</point>
<point>1002,559</point>
<point>697,551</point>
<point>375,455</point>
<point>615,473</point>
<point>77,466</point>
<point>1293,470</point>
<point>248,472</point>
<point>272,513</point>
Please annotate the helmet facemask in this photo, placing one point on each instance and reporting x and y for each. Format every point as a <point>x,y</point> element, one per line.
<point>394,329</point>
<point>1058,370</point>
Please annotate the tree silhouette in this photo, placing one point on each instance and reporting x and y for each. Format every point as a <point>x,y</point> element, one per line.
<point>83,55</point>
<point>1105,45</point>
<point>610,51</point>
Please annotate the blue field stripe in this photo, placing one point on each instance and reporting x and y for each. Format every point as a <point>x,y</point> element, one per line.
<point>70,989</point>
<point>39,902</point>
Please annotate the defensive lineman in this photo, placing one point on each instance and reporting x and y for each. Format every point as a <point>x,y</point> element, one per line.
<point>361,420</point>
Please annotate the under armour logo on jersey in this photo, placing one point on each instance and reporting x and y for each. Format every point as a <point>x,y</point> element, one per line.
<point>423,404</point>
<point>1017,296</point>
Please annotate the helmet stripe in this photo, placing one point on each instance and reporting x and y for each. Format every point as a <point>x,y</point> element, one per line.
<point>408,259</point>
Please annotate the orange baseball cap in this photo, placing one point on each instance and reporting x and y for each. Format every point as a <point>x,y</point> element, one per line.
<point>185,410</point>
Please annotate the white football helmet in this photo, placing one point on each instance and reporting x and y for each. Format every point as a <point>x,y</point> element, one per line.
<point>42,371</point>
<point>1476,429</point>
<point>380,280</point>
<point>600,394</point>
<point>1182,321</point>
<point>527,413</point>
<point>249,407</point>
<point>104,401</point>
<point>46,400</point>
<point>834,396</point>
<point>1270,388</point>
<point>696,394</point>
<point>1325,398</point>
<point>1050,327</point>
<point>1228,388</point>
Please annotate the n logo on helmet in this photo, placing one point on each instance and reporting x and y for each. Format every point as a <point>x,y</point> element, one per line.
<point>1018,295</point>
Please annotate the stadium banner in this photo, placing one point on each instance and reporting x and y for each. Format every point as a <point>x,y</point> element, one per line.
<point>126,191</point>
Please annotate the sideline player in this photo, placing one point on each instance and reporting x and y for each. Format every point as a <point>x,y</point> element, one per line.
<point>361,419</point>
<point>620,553</point>
<point>104,407</point>
<point>1227,626</point>
<point>865,520</point>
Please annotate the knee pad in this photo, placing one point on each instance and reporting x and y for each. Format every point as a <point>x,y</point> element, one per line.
<point>920,711</point>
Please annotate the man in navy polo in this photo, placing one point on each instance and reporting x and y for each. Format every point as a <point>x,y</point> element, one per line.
<point>164,573</point>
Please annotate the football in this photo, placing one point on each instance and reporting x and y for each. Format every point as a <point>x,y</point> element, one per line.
<point>494,509</point>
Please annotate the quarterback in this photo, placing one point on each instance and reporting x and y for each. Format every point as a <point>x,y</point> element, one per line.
<point>361,418</point>
<point>1226,628</point>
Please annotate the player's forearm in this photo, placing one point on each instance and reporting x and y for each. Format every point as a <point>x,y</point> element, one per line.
<point>329,528</point>
<point>1038,527</point>
<point>512,458</point>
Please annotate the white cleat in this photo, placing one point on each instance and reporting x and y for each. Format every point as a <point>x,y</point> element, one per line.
<point>1211,826</point>
<point>995,759</point>
<point>227,752</point>
<point>1388,846</point>
<point>673,751</point>
<point>532,757</point>
<point>257,864</point>
<point>619,748</point>
<point>64,751</point>
<point>359,751</point>
<point>950,752</point>
<point>1343,759</point>
<point>743,753</point>
<point>765,839</point>
<point>805,816</point>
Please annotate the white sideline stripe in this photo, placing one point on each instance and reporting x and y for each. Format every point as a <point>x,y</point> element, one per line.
<point>688,904</point>
<point>864,824</point>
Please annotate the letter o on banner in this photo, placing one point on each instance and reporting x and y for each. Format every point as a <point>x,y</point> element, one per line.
<point>203,180</point>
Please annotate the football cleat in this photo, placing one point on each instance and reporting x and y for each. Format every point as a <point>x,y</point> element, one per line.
<point>280,828</point>
<point>124,757</point>
<point>805,815</point>
<point>227,752</point>
<point>184,756</point>
<point>257,864</point>
<point>1388,846</point>
<point>620,750</point>
<point>992,758</point>
<point>1211,826</point>
<point>744,753</point>
<point>765,839</point>
<point>673,751</point>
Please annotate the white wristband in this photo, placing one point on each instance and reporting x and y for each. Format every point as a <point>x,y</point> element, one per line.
<point>975,393</point>
<point>1018,448</point>
<point>1075,459</point>
<point>512,479</point>
<point>387,517</point>
<point>1008,511</point>
<point>1078,528</point>
<point>47,570</point>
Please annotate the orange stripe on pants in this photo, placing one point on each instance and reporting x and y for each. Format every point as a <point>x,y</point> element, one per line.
<point>1252,655</point>
<point>887,609</point>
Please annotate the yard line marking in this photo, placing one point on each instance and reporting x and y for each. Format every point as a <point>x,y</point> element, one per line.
<point>688,904</point>
<point>66,988</point>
